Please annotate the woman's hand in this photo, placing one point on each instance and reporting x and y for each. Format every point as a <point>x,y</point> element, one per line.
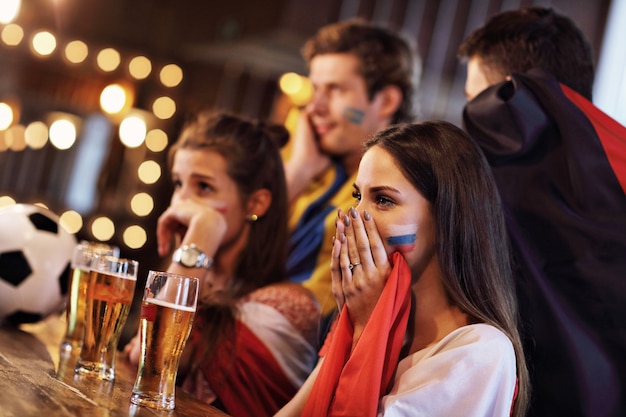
<point>359,266</point>
<point>192,221</point>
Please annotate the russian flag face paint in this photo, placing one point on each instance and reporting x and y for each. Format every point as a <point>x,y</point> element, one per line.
<point>402,237</point>
<point>354,116</point>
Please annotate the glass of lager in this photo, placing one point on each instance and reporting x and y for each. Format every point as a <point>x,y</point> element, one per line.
<point>82,257</point>
<point>109,296</point>
<point>167,311</point>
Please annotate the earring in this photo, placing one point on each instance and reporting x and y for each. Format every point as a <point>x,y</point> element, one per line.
<point>252,217</point>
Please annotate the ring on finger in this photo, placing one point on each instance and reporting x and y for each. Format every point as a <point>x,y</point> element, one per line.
<point>352,265</point>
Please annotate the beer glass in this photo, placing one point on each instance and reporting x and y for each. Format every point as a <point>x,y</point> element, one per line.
<point>167,311</point>
<point>109,296</point>
<point>82,257</point>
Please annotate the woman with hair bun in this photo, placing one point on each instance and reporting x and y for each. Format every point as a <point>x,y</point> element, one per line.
<point>254,336</point>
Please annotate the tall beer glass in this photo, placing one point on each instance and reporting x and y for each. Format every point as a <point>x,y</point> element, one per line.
<point>109,296</point>
<point>167,311</point>
<point>82,257</point>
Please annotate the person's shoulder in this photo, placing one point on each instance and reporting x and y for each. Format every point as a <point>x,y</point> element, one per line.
<point>294,302</point>
<point>482,336</point>
<point>282,287</point>
<point>281,291</point>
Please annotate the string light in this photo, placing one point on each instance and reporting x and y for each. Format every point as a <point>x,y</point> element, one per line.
<point>164,107</point>
<point>44,43</point>
<point>76,52</point>
<point>108,59</point>
<point>36,135</point>
<point>12,34</point>
<point>103,228</point>
<point>71,221</point>
<point>62,134</point>
<point>132,131</point>
<point>6,116</point>
<point>116,101</point>
<point>9,10</point>
<point>135,237</point>
<point>140,67</point>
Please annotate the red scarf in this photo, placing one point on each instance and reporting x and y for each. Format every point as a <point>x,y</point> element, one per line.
<point>351,383</point>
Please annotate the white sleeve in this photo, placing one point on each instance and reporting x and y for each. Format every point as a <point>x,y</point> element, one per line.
<point>470,373</point>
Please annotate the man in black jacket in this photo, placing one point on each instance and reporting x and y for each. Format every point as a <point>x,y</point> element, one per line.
<point>560,165</point>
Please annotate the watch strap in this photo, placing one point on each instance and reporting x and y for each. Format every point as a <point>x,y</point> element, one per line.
<point>198,258</point>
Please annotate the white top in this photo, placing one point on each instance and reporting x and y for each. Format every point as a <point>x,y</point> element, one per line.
<point>471,373</point>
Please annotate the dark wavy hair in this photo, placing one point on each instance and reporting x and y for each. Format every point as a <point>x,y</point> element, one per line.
<point>386,58</point>
<point>251,150</point>
<point>449,170</point>
<point>518,40</point>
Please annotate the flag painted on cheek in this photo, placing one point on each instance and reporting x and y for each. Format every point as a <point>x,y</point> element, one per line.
<point>354,116</point>
<point>402,237</point>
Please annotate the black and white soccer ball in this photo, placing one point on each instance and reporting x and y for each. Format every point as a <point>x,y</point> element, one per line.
<point>35,256</point>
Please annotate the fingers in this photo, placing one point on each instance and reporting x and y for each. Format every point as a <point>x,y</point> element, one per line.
<point>164,233</point>
<point>335,271</point>
<point>188,216</point>
<point>364,248</point>
<point>358,242</point>
<point>376,244</point>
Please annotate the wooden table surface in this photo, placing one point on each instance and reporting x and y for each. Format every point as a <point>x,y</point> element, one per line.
<point>35,380</point>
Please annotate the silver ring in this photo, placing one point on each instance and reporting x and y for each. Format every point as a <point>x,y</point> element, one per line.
<point>352,265</point>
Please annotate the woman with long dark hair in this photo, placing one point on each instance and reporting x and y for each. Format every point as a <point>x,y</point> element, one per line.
<point>422,276</point>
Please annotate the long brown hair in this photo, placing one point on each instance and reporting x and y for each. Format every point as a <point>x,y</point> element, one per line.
<point>251,152</point>
<point>451,172</point>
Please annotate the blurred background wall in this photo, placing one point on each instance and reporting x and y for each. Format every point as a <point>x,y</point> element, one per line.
<point>63,61</point>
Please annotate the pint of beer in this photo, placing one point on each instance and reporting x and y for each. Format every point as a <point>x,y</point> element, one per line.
<point>82,257</point>
<point>167,312</point>
<point>109,296</point>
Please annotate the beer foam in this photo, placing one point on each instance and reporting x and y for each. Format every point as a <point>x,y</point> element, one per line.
<point>114,274</point>
<point>169,305</point>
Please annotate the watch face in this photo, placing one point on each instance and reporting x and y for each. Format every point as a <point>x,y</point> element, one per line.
<point>189,257</point>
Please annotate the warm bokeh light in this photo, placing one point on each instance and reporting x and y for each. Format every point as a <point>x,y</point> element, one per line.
<point>44,43</point>
<point>156,140</point>
<point>102,228</point>
<point>113,98</point>
<point>36,135</point>
<point>290,83</point>
<point>71,221</point>
<point>76,52</point>
<point>135,237</point>
<point>6,116</point>
<point>297,87</point>
<point>140,67</point>
<point>9,9</point>
<point>171,75</point>
<point>12,34</point>
<point>6,201</point>
<point>14,136</point>
<point>149,172</point>
<point>42,205</point>
<point>164,107</point>
<point>132,131</point>
<point>142,204</point>
<point>62,134</point>
<point>108,59</point>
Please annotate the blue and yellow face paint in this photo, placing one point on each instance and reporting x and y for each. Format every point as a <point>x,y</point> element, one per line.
<point>354,116</point>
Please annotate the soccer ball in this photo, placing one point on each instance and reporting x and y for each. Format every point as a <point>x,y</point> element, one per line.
<point>35,256</point>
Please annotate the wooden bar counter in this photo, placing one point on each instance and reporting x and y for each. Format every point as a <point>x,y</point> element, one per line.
<point>35,380</point>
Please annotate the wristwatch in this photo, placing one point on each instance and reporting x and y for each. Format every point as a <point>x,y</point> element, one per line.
<point>190,256</point>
